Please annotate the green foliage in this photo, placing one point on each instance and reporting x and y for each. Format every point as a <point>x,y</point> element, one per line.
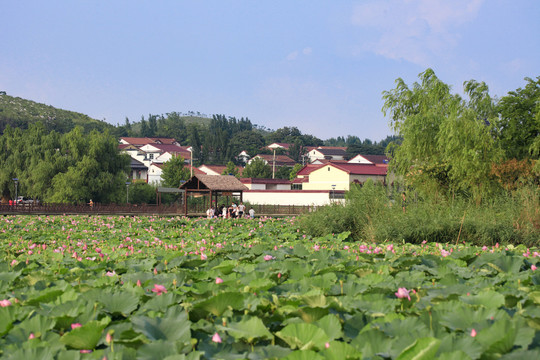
<point>174,172</point>
<point>257,168</point>
<point>262,290</point>
<point>296,168</point>
<point>518,126</point>
<point>231,169</point>
<point>142,193</point>
<point>73,167</point>
<point>442,132</point>
<point>21,113</point>
<point>369,214</point>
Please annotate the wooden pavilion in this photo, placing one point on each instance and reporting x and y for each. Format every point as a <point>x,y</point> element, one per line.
<point>213,187</point>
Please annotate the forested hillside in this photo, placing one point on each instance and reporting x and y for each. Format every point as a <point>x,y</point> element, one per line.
<point>20,113</point>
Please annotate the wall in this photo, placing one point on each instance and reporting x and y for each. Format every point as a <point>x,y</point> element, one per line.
<point>323,179</point>
<point>287,197</point>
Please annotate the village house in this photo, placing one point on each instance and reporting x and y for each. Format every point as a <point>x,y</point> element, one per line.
<point>217,169</point>
<point>277,160</point>
<point>327,153</point>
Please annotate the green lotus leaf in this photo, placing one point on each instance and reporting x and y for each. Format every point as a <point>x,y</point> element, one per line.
<point>489,299</point>
<point>312,314</point>
<point>118,302</point>
<point>173,326</point>
<point>498,338</point>
<point>331,326</point>
<point>422,349</point>
<point>7,277</point>
<point>36,324</point>
<point>338,350</point>
<point>44,297</point>
<point>87,336</point>
<point>303,336</point>
<point>371,342</point>
<point>34,353</point>
<point>303,355</point>
<point>160,303</point>
<point>248,329</point>
<point>216,305</point>
<point>159,350</point>
<point>454,355</point>
<point>269,352</point>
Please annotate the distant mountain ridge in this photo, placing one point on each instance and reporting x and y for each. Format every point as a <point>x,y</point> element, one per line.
<point>19,112</point>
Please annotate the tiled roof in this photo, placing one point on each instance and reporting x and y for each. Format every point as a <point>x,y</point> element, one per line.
<point>264,181</point>
<point>360,169</point>
<point>213,182</point>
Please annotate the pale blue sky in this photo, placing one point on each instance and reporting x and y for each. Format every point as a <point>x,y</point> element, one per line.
<point>318,65</point>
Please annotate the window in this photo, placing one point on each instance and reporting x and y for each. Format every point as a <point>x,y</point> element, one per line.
<point>150,156</point>
<point>296,187</point>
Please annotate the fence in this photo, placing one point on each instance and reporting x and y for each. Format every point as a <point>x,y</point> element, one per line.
<point>143,209</point>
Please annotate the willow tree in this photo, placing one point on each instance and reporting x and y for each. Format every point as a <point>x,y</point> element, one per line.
<point>448,143</point>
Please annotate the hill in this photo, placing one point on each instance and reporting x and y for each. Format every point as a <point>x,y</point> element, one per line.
<point>18,112</point>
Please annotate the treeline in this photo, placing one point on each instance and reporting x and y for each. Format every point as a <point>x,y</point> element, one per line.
<point>73,167</point>
<point>220,139</point>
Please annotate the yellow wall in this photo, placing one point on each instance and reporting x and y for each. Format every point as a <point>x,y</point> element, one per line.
<point>323,179</point>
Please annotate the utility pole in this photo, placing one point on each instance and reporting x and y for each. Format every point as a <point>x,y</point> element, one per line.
<point>274,166</point>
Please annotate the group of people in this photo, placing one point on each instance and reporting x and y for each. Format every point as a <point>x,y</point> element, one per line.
<point>230,212</point>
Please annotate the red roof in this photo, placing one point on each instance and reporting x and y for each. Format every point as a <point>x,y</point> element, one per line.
<point>219,168</point>
<point>306,170</point>
<point>360,169</point>
<point>264,181</point>
<point>354,169</point>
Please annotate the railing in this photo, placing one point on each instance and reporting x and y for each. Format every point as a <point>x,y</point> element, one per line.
<point>128,209</point>
<point>96,209</point>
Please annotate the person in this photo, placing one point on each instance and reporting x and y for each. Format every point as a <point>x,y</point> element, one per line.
<point>210,213</point>
<point>234,210</point>
<point>91,203</point>
<point>241,209</point>
<point>251,213</point>
<point>224,212</point>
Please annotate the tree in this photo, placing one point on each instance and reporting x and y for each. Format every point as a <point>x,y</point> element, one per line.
<point>257,168</point>
<point>447,142</point>
<point>296,168</point>
<point>142,193</point>
<point>231,169</point>
<point>248,140</point>
<point>174,172</point>
<point>283,172</point>
<point>518,125</point>
<point>96,170</point>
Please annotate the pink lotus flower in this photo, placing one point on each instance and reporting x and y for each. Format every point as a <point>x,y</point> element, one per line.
<point>268,257</point>
<point>75,325</point>
<point>403,293</point>
<point>473,333</point>
<point>216,338</point>
<point>219,280</point>
<point>139,283</point>
<point>159,289</point>
<point>327,345</point>
<point>533,267</point>
<point>5,302</point>
<point>31,336</point>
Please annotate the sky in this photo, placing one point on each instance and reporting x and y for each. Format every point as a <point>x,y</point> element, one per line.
<point>320,66</point>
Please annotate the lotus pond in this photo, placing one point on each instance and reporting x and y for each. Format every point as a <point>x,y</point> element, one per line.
<point>78,287</point>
